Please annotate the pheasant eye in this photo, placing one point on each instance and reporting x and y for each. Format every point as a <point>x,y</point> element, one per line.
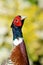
<point>16,20</point>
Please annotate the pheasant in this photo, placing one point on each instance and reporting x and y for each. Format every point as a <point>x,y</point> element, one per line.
<point>18,54</point>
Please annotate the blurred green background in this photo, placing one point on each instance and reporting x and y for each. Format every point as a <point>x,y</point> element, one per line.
<point>8,10</point>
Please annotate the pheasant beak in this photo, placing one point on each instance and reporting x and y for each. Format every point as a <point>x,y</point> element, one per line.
<point>23,17</point>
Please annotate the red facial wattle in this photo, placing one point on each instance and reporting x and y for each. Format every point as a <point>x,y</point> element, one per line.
<point>17,21</point>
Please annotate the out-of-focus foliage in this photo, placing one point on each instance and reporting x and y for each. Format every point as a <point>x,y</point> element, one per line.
<point>29,11</point>
<point>33,32</point>
<point>33,1</point>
